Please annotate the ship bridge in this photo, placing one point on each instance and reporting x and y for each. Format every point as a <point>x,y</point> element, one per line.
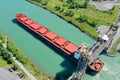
<point>91,55</point>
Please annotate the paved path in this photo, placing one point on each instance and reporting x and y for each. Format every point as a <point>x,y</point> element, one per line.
<point>20,65</point>
<point>117,36</point>
<point>102,29</point>
<point>24,69</point>
<point>7,75</point>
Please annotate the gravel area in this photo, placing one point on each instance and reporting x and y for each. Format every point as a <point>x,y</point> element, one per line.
<point>105,5</point>
<point>102,29</point>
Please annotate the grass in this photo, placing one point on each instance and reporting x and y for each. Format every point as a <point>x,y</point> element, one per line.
<point>113,51</point>
<point>102,17</point>
<point>37,72</point>
<point>3,63</point>
<point>29,65</point>
<point>92,14</point>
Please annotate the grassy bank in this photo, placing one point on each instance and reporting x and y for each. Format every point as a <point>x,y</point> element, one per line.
<point>3,62</point>
<point>113,51</point>
<point>31,67</point>
<point>7,61</point>
<point>86,19</point>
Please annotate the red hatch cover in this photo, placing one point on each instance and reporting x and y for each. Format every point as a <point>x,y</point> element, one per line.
<point>35,26</point>
<point>60,41</point>
<point>42,30</point>
<point>71,48</point>
<point>23,18</point>
<point>28,21</point>
<point>51,35</point>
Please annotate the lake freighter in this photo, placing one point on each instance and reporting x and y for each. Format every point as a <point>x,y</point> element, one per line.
<point>68,48</point>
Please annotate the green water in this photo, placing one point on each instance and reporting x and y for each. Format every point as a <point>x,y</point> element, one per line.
<point>48,59</point>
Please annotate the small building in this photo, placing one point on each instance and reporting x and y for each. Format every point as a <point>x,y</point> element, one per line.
<point>103,38</point>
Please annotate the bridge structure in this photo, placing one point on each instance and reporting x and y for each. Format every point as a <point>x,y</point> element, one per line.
<point>91,55</point>
<point>104,42</point>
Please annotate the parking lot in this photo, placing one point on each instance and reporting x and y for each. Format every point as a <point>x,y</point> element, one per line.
<point>105,5</point>
<point>5,74</point>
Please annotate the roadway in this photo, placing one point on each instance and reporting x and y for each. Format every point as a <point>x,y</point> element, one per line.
<point>99,46</point>
<point>23,68</point>
<point>31,77</point>
<point>93,54</point>
<point>5,74</point>
<point>95,50</point>
<point>117,36</point>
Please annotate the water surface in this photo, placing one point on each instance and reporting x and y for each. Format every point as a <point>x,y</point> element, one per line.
<point>48,59</point>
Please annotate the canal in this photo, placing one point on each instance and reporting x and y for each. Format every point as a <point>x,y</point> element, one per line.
<point>48,59</point>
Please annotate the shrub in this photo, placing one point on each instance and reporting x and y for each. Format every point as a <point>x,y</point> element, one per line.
<point>15,67</point>
<point>82,18</point>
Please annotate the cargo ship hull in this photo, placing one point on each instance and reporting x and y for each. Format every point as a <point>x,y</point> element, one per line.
<point>48,37</point>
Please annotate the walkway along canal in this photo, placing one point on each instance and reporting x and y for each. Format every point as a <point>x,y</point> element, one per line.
<point>30,76</point>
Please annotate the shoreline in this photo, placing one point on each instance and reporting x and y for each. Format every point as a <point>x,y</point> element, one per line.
<point>31,62</point>
<point>68,21</point>
<point>110,55</point>
<point>114,54</point>
<point>60,16</point>
<point>31,66</point>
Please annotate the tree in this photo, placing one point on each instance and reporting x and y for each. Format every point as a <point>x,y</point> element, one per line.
<point>15,67</point>
<point>69,1</point>
<point>57,7</point>
<point>93,24</point>
<point>86,3</point>
<point>5,55</point>
<point>69,13</point>
<point>77,5</point>
<point>10,61</point>
<point>82,18</point>
<point>44,2</point>
<point>2,37</point>
<point>71,6</point>
<point>39,0</point>
<point>61,0</point>
<point>62,10</point>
